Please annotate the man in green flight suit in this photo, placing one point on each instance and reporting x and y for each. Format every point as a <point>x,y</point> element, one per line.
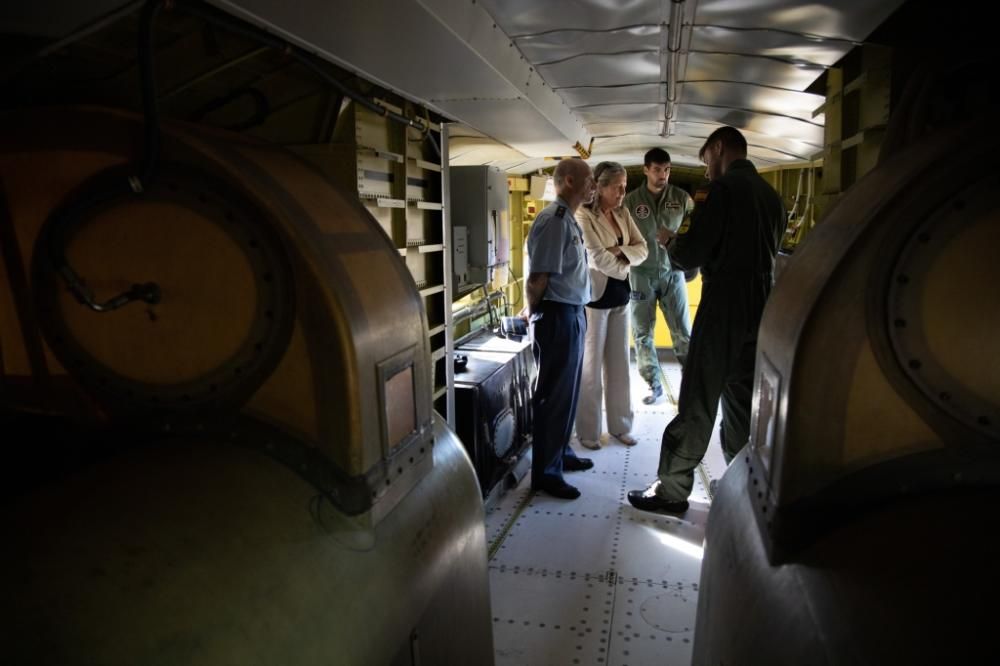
<point>658,205</point>
<point>733,236</point>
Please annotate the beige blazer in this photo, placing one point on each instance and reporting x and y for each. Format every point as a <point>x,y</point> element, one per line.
<point>598,236</point>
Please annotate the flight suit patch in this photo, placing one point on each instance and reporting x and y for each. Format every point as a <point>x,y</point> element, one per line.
<point>642,211</point>
<point>560,211</point>
<point>672,204</point>
<point>685,225</point>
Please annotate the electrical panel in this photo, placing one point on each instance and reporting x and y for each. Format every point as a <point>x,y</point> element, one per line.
<point>479,205</point>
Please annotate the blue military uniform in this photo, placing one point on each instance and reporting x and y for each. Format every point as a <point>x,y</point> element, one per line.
<point>555,246</point>
<point>733,236</point>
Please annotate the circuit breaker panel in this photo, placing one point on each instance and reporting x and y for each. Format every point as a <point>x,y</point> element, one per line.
<point>480,214</point>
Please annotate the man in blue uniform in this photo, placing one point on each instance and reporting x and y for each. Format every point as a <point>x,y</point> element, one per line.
<point>733,236</point>
<point>557,288</point>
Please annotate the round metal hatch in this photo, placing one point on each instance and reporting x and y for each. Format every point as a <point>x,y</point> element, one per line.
<point>227,305</point>
<point>943,311</point>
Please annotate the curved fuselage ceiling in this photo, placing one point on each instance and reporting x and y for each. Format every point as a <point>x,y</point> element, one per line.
<point>529,80</point>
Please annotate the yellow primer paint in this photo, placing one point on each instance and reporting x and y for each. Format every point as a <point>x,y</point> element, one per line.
<point>662,333</point>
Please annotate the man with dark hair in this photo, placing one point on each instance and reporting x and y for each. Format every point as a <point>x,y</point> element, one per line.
<point>733,236</point>
<point>657,205</point>
<point>557,288</point>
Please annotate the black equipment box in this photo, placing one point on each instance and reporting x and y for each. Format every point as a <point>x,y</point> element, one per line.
<point>493,405</point>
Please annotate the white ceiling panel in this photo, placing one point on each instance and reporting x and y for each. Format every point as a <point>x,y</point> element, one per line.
<point>598,69</point>
<point>699,131</point>
<point>808,139</point>
<point>507,118</point>
<point>620,129</point>
<point>528,17</point>
<point>619,112</point>
<point>798,105</point>
<point>562,44</point>
<point>757,70</point>
<point>847,19</point>
<point>641,93</point>
<point>775,43</point>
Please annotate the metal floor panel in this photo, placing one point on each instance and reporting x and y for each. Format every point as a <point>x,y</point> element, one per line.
<point>564,536</point>
<point>501,515</point>
<point>550,620</point>
<point>593,580</point>
<point>653,624</point>
<point>662,548</point>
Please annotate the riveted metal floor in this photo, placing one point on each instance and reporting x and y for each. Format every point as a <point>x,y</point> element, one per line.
<point>593,580</point>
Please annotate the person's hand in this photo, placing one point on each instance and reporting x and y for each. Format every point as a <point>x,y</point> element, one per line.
<point>615,250</point>
<point>525,313</point>
<point>664,236</point>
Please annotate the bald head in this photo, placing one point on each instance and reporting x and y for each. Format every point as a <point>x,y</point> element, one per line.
<point>574,182</point>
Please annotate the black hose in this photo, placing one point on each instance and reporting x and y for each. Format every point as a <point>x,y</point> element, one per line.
<point>134,184</point>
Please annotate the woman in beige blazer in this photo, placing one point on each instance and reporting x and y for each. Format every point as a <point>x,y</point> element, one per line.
<point>613,244</point>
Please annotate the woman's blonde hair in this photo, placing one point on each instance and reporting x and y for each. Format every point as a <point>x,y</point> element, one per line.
<point>604,173</point>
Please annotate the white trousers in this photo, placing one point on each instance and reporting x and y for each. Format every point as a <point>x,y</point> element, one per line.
<point>605,356</point>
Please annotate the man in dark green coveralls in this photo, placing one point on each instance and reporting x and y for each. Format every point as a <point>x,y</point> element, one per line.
<point>733,236</point>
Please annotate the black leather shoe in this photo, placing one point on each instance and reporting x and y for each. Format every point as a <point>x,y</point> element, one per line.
<point>648,500</point>
<point>654,394</point>
<point>557,488</point>
<point>577,464</point>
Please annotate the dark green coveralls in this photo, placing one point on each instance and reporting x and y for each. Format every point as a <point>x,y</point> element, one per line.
<point>733,236</point>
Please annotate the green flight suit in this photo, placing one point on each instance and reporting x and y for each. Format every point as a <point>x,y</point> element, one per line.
<point>655,281</point>
<point>734,235</point>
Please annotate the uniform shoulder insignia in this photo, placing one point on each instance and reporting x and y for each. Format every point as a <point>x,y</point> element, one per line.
<point>685,226</point>
<point>700,196</point>
<point>560,211</point>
